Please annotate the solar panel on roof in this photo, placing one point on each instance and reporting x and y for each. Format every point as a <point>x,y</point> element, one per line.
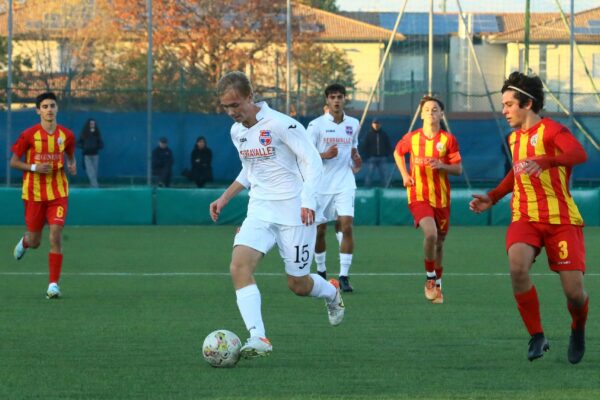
<point>485,23</point>
<point>593,30</point>
<point>443,24</point>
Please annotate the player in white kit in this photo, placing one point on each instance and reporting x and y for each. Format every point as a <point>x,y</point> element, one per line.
<point>282,169</point>
<point>335,135</point>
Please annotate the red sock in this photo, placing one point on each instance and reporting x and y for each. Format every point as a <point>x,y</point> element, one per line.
<point>25,244</point>
<point>429,265</point>
<point>529,307</point>
<point>579,315</point>
<point>54,266</point>
<point>438,272</point>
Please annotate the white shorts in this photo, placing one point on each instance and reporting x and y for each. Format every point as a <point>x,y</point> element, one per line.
<point>296,243</point>
<point>331,206</point>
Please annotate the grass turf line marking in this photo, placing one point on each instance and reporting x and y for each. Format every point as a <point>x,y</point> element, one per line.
<point>184,274</point>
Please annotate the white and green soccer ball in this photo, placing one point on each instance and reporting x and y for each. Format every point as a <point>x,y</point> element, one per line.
<point>221,349</point>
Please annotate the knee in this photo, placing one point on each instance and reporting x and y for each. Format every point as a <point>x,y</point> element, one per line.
<point>518,271</point>
<point>34,242</point>
<point>575,295</point>
<point>431,237</point>
<point>55,239</point>
<point>299,286</point>
<point>346,229</point>
<point>321,233</point>
<point>237,268</point>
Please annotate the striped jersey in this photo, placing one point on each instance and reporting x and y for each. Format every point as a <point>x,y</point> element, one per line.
<point>39,146</point>
<point>545,198</point>
<point>430,185</point>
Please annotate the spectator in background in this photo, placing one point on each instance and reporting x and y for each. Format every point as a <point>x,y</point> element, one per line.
<point>201,160</point>
<point>90,141</point>
<point>162,162</point>
<point>376,150</point>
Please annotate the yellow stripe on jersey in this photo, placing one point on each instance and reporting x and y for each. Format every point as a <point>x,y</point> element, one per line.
<point>61,182</point>
<point>532,204</point>
<point>429,173</point>
<point>37,138</point>
<point>442,174</point>
<point>61,179</point>
<point>546,180</point>
<point>512,140</point>
<point>418,182</point>
<point>574,214</point>
<point>49,191</point>
<point>26,176</point>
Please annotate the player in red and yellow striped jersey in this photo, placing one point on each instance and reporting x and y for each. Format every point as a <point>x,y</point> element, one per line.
<point>543,211</point>
<point>45,186</point>
<point>433,155</point>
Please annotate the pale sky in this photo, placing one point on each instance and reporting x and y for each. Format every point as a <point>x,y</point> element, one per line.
<point>467,5</point>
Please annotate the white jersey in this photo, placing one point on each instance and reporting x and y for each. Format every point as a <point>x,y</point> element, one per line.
<point>279,166</point>
<point>337,172</point>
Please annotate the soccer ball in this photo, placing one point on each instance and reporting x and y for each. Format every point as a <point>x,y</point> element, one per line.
<point>221,349</point>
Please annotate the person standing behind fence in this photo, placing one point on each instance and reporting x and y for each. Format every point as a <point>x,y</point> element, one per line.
<point>90,141</point>
<point>162,162</point>
<point>201,159</point>
<point>376,150</point>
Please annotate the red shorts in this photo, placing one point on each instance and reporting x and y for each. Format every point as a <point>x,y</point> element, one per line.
<point>38,212</point>
<point>565,247</point>
<point>422,209</point>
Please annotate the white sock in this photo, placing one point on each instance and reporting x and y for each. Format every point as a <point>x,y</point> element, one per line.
<point>431,274</point>
<point>248,301</point>
<point>339,236</point>
<point>438,282</point>
<point>322,289</point>
<point>345,263</point>
<point>320,260</point>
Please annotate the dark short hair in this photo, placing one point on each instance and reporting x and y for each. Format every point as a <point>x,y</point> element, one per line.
<point>530,84</point>
<point>200,138</point>
<point>237,81</point>
<point>427,98</point>
<point>163,140</point>
<point>335,88</point>
<point>44,96</point>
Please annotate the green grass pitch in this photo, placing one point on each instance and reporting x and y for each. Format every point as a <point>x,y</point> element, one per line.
<point>138,302</point>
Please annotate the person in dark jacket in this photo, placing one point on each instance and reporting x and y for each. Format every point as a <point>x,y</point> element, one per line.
<point>162,162</point>
<point>201,160</point>
<point>90,141</point>
<point>376,150</point>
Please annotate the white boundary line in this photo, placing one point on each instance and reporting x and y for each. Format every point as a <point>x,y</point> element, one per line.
<point>185,274</point>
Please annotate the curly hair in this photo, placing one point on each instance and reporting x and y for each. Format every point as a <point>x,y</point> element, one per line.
<point>526,88</point>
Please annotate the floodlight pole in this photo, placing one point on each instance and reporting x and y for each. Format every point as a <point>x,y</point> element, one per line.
<point>149,73</point>
<point>527,19</point>
<point>430,53</point>
<point>571,62</point>
<point>288,89</point>
<point>382,65</point>
<point>9,91</point>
